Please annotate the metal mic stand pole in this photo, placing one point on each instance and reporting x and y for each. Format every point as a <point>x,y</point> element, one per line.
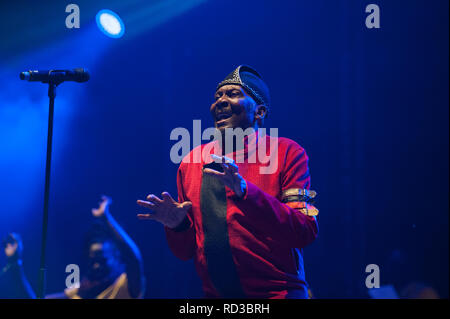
<point>42,269</point>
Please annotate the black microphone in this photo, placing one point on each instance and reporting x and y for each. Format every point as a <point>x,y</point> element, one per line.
<point>56,76</point>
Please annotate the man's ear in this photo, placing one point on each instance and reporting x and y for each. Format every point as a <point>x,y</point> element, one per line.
<point>260,112</point>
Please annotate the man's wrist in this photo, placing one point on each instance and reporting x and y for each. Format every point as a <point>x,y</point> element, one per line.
<point>185,224</point>
<point>105,216</point>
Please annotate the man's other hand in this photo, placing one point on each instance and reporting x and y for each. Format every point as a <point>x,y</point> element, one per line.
<point>166,210</point>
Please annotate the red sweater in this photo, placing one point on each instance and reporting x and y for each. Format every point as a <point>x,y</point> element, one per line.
<point>266,236</point>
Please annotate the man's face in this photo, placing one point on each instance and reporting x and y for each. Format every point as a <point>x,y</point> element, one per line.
<point>12,246</point>
<point>233,108</point>
<point>103,260</point>
<point>10,249</point>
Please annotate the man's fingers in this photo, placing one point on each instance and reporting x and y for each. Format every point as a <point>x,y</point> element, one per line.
<point>146,204</point>
<point>146,216</point>
<point>166,196</point>
<point>216,158</point>
<point>227,160</point>
<point>229,167</point>
<point>213,172</point>
<point>230,164</point>
<point>106,200</point>
<point>222,159</point>
<point>154,199</point>
<point>186,205</point>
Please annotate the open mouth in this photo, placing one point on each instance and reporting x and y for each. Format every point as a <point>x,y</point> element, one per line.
<point>222,117</point>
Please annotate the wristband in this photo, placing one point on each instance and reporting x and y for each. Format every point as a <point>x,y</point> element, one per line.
<point>301,199</point>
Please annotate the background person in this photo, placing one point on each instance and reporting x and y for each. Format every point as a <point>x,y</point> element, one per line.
<point>13,282</point>
<point>114,267</point>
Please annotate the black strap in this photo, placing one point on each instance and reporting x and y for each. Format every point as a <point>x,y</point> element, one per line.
<point>221,267</point>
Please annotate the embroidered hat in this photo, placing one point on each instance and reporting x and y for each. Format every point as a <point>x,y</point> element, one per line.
<point>251,81</point>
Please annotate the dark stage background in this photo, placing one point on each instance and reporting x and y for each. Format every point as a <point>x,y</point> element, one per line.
<point>370,106</point>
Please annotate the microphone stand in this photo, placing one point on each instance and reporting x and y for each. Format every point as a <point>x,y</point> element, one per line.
<point>52,84</point>
<point>53,78</point>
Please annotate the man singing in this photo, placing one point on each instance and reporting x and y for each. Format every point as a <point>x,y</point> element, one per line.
<point>244,224</point>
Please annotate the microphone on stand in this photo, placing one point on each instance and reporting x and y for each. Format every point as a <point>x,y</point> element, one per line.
<point>53,78</point>
<point>56,76</point>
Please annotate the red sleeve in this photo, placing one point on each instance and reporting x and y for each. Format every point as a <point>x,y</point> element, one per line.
<point>285,223</point>
<point>181,240</point>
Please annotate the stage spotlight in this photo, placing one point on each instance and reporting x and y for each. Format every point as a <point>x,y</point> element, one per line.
<point>110,23</point>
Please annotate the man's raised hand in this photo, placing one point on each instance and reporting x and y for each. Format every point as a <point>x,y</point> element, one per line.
<point>230,176</point>
<point>103,207</point>
<point>166,210</point>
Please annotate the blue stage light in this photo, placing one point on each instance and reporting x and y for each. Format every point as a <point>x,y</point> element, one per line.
<point>110,23</point>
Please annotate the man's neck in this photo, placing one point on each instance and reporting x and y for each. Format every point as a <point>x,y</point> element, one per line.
<point>233,143</point>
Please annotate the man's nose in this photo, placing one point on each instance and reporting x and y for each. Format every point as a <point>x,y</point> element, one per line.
<point>221,103</point>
